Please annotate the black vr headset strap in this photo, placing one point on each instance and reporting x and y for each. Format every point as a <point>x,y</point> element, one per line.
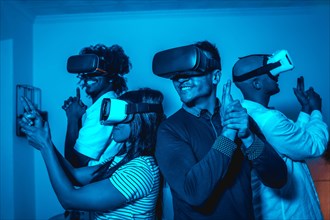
<point>143,108</point>
<point>257,72</point>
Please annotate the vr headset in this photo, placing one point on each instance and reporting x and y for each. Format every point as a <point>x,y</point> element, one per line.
<point>187,59</point>
<point>273,65</point>
<point>87,64</point>
<point>114,111</point>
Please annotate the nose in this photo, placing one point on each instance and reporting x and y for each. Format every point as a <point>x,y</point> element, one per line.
<point>181,78</point>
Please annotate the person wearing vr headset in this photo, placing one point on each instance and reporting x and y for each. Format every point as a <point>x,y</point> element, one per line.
<point>206,150</point>
<point>257,78</point>
<point>124,187</point>
<point>101,71</point>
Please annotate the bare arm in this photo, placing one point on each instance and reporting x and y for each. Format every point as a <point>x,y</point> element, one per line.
<point>97,196</point>
<point>74,109</point>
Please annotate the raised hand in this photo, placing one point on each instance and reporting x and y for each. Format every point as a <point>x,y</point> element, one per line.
<point>74,107</point>
<point>301,95</point>
<point>237,118</point>
<point>226,100</point>
<point>226,97</point>
<point>31,115</point>
<point>234,117</point>
<point>315,100</point>
<point>32,124</point>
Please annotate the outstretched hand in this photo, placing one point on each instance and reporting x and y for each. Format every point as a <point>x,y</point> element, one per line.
<point>74,107</point>
<point>32,124</point>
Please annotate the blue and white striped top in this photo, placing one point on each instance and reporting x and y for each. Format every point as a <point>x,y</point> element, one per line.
<point>139,182</point>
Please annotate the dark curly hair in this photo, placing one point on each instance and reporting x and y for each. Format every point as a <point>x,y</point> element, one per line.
<point>117,64</point>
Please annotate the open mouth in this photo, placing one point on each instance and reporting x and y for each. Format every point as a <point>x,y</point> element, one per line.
<point>185,87</point>
<point>90,81</point>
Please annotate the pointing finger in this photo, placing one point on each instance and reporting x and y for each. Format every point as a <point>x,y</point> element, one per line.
<point>78,93</point>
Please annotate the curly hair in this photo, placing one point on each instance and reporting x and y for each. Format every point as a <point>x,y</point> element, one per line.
<point>117,64</point>
<point>143,130</point>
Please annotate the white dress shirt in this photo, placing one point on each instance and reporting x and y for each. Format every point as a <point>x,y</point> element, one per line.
<point>295,142</point>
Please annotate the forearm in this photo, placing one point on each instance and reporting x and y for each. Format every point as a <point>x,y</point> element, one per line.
<point>296,142</point>
<point>195,181</point>
<point>72,133</point>
<point>60,182</point>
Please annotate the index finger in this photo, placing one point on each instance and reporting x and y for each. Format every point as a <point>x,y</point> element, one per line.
<point>224,90</point>
<point>78,93</point>
<point>228,88</point>
<point>27,104</point>
<point>302,84</point>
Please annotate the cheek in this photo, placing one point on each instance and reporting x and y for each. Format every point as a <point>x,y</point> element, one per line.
<point>175,84</point>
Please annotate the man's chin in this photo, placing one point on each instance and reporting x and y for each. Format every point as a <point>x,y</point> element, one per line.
<point>187,102</point>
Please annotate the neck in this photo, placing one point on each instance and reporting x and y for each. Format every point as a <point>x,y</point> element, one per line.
<point>207,103</point>
<point>261,99</point>
<point>95,98</point>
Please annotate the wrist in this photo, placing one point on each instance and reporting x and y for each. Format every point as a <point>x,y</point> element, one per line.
<point>229,133</point>
<point>248,141</point>
<point>306,109</point>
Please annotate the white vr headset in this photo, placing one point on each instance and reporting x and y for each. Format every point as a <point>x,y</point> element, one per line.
<point>115,111</point>
<point>273,65</point>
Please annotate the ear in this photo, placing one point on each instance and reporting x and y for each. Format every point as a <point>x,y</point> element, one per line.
<point>216,76</point>
<point>256,83</point>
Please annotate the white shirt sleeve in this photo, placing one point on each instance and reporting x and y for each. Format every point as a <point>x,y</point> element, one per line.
<point>93,136</point>
<point>302,140</point>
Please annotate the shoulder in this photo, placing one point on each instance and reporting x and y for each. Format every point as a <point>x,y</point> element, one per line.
<point>179,118</point>
<point>142,163</point>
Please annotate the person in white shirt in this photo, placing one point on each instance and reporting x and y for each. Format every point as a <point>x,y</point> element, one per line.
<point>87,140</point>
<point>294,141</point>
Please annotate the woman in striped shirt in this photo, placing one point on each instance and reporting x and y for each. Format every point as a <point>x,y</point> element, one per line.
<point>124,187</point>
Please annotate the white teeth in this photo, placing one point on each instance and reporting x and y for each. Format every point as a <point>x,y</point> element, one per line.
<point>90,82</point>
<point>185,88</point>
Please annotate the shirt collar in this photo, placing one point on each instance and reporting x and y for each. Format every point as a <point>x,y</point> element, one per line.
<point>198,112</point>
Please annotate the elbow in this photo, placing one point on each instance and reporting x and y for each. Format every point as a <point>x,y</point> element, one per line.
<point>195,200</point>
<point>67,201</point>
<point>66,204</point>
<point>194,197</point>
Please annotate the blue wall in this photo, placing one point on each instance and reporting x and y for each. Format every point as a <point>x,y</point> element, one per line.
<point>17,159</point>
<point>41,47</point>
<point>304,32</point>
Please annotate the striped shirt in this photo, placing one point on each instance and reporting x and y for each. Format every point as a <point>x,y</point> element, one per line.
<point>138,181</point>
